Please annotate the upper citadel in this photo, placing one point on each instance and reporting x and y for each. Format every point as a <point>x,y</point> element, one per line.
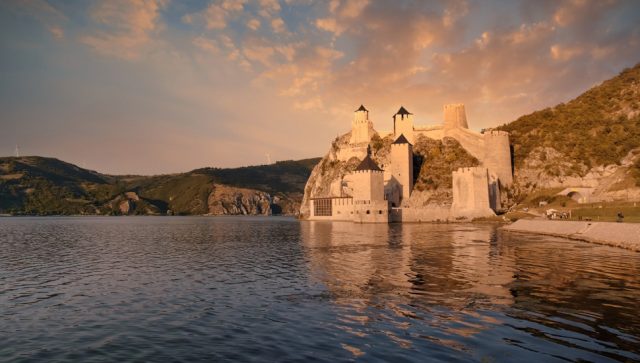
<point>349,185</point>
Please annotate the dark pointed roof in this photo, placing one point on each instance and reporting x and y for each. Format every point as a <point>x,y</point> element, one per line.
<point>403,111</point>
<point>402,140</point>
<point>368,164</point>
<point>362,108</point>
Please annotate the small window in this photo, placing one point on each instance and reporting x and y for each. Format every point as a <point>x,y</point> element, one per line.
<point>379,212</point>
<point>368,212</point>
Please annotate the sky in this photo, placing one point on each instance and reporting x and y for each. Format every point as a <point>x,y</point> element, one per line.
<point>164,86</point>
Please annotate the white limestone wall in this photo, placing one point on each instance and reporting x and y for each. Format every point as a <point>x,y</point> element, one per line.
<point>471,193</point>
<point>368,185</point>
<point>361,128</point>
<point>471,141</point>
<point>403,125</point>
<point>341,208</point>
<point>435,132</point>
<point>455,116</point>
<point>376,211</point>
<point>402,168</point>
<point>429,214</point>
<point>497,155</point>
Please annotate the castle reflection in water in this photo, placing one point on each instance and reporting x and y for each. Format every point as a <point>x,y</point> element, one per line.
<point>462,280</point>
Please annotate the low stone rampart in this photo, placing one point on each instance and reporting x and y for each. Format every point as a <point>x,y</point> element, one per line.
<point>428,214</point>
<point>625,235</point>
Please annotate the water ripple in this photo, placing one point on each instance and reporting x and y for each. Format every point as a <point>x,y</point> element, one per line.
<point>275,289</point>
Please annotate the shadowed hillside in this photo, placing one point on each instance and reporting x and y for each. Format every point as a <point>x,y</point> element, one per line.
<point>39,185</point>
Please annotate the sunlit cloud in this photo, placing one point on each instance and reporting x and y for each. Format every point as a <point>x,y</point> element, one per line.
<point>129,27</point>
<point>316,61</point>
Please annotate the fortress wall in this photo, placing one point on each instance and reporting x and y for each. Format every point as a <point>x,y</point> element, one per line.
<point>471,193</point>
<point>497,156</point>
<point>432,133</point>
<point>430,214</point>
<point>342,209</point>
<point>368,185</point>
<point>471,141</point>
<point>402,168</point>
<point>374,211</point>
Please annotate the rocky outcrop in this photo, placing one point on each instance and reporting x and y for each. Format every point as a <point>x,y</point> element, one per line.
<point>546,168</point>
<point>225,200</point>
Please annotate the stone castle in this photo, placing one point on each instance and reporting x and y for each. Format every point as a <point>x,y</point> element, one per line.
<point>381,193</point>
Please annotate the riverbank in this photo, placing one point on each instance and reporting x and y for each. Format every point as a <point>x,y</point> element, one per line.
<point>625,235</point>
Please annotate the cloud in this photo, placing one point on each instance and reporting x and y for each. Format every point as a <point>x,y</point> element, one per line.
<point>253,24</point>
<point>330,25</point>
<point>129,27</point>
<point>277,25</point>
<point>217,14</point>
<point>316,61</point>
<point>206,44</point>
<point>48,15</point>
<point>56,31</point>
<point>268,8</point>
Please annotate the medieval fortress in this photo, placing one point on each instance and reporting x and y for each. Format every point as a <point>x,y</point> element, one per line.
<point>382,193</point>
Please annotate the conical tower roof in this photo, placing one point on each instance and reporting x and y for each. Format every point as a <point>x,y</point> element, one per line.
<point>401,140</point>
<point>403,111</point>
<point>368,164</point>
<point>361,108</point>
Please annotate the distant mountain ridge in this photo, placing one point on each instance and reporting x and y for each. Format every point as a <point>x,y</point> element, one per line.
<point>40,186</point>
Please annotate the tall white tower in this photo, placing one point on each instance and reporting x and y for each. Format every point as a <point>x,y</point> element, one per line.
<point>403,124</point>
<point>402,165</point>
<point>361,127</point>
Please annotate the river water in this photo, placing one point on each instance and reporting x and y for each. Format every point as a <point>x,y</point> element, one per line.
<point>276,289</point>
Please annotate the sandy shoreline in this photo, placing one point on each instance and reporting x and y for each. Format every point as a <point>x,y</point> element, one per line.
<point>624,235</point>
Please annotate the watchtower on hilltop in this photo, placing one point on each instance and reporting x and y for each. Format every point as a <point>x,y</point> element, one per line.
<point>361,127</point>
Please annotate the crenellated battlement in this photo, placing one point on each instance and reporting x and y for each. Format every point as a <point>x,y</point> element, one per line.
<point>470,170</point>
<point>496,133</point>
<point>367,171</point>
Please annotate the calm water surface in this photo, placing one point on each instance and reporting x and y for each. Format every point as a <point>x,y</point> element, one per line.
<point>276,289</point>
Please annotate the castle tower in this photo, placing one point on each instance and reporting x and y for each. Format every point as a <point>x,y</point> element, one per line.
<point>402,165</point>
<point>361,127</point>
<point>368,193</point>
<point>497,155</point>
<point>471,192</point>
<point>455,116</point>
<point>368,181</point>
<point>403,124</point>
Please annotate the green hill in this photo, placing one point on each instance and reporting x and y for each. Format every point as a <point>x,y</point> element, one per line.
<point>597,128</point>
<point>43,186</point>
